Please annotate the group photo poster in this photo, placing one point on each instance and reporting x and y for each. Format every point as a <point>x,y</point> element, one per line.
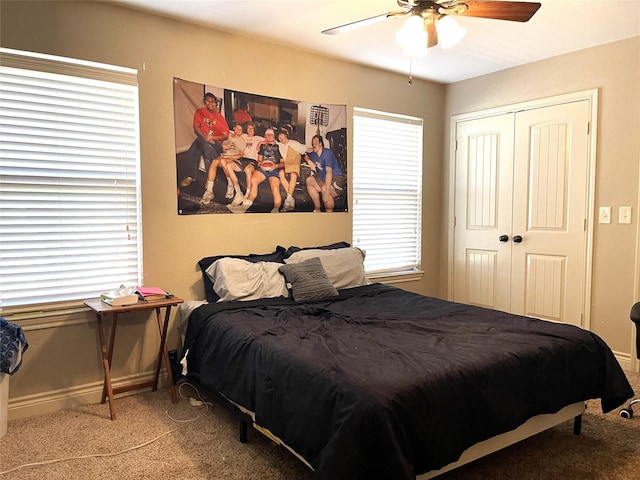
<point>239,152</point>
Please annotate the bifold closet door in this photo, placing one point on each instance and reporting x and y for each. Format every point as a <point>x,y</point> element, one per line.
<point>520,207</point>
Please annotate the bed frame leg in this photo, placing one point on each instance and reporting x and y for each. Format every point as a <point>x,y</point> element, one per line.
<point>577,425</point>
<point>243,431</point>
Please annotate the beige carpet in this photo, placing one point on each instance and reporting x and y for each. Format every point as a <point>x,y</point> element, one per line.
<point>608,448</point>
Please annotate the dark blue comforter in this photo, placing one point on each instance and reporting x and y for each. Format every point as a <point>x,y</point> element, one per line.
<point>380,383</point>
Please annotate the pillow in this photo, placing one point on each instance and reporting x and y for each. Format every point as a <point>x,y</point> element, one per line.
<point>308,280</point>
<point>293,249</point>
<point>277,256</point>
<point>237,279</point>
<point>343,266</point>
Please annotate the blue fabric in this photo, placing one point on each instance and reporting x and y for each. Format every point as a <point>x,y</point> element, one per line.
<point>13,344</point>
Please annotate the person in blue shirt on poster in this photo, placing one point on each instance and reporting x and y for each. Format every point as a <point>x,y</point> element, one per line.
<point>327,178</point>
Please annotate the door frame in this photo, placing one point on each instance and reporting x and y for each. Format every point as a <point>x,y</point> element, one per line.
<point>634,362</point>
<point>591,96</point>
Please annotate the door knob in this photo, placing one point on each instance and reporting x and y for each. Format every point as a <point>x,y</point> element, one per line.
<point>517,239</point>
<point>503,238</point>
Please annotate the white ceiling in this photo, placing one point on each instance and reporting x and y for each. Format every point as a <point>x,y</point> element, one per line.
<point>559,26</point>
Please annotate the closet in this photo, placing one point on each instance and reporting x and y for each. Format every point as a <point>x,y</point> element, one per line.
<point>522,195</point>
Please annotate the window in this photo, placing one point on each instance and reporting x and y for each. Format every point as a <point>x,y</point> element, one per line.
<point>69,179</point>
<point>387,190</point>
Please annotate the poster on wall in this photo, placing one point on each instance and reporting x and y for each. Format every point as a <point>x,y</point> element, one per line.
<point>239,152</point>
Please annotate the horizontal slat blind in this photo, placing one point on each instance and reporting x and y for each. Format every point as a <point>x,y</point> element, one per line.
<point>387,190</point>
<point>69,196</point>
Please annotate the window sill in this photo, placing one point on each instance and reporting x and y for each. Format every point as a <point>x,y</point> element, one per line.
<point>46,315</point>
<point>396,277</point>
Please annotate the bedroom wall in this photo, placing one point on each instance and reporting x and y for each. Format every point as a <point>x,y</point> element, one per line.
<point>62,365</point>
<point>614,69</point>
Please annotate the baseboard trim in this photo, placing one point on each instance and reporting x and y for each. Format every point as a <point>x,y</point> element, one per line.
<point>72,397</point>
<point>624,359</point>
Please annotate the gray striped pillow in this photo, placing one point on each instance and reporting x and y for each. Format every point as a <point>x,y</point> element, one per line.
<point>307,280</point>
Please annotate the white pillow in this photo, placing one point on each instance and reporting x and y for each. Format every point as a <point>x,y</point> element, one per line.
<point>237,279</point>
<point>344,266</point>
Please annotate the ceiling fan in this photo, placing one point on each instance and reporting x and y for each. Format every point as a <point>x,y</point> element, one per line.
<point>430,21</point>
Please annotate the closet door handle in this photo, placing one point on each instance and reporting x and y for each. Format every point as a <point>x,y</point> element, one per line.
<point>503,238</point>
<point>517,239</point>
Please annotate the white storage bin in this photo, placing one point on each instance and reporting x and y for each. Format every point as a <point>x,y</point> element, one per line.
<point>4,403</point>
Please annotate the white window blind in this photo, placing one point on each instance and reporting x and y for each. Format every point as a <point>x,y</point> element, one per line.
<point>387,190</point>
<point>69,179</point>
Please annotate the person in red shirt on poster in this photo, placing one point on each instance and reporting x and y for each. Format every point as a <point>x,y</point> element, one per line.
<point>212,129</point>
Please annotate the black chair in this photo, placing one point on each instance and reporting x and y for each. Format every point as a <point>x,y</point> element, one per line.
<point>635,318</point>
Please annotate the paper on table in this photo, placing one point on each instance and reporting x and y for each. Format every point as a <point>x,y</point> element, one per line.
<point>145,291</point>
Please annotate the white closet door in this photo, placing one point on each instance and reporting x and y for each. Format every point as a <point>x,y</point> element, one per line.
<point>484,177</point>
<point>550,212</point>
<point>524,177</point>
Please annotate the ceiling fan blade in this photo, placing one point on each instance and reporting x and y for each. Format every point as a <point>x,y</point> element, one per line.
<point>499,10</point>
<point>363,23</point>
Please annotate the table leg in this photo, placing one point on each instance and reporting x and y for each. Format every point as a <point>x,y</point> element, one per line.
<point>112,338</point>
<point>163,353</point>
<point>107,390</point>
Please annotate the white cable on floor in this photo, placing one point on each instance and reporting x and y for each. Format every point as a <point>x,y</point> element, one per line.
<point>93,455</point>
<point>194,402</point>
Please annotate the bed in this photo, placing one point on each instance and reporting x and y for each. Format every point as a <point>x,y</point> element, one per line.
<point>369,381</point>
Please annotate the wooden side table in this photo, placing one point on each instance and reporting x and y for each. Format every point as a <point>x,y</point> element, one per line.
<point>102,310</point>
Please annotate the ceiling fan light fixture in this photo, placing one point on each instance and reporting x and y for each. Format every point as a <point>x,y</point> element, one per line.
<point>449,32</point>
<point>412,37</point>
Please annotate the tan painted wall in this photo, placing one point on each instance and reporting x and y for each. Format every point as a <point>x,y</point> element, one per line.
<point>613,69</point>
<point>63,355</point>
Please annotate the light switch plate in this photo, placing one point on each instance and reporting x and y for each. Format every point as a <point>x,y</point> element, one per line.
<point>605,215</point>
<point>624,215</point>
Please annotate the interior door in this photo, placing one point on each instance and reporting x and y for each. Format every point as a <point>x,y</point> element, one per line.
<point>483,212</point>
<point>550,211</point>
<point>520,212</point>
